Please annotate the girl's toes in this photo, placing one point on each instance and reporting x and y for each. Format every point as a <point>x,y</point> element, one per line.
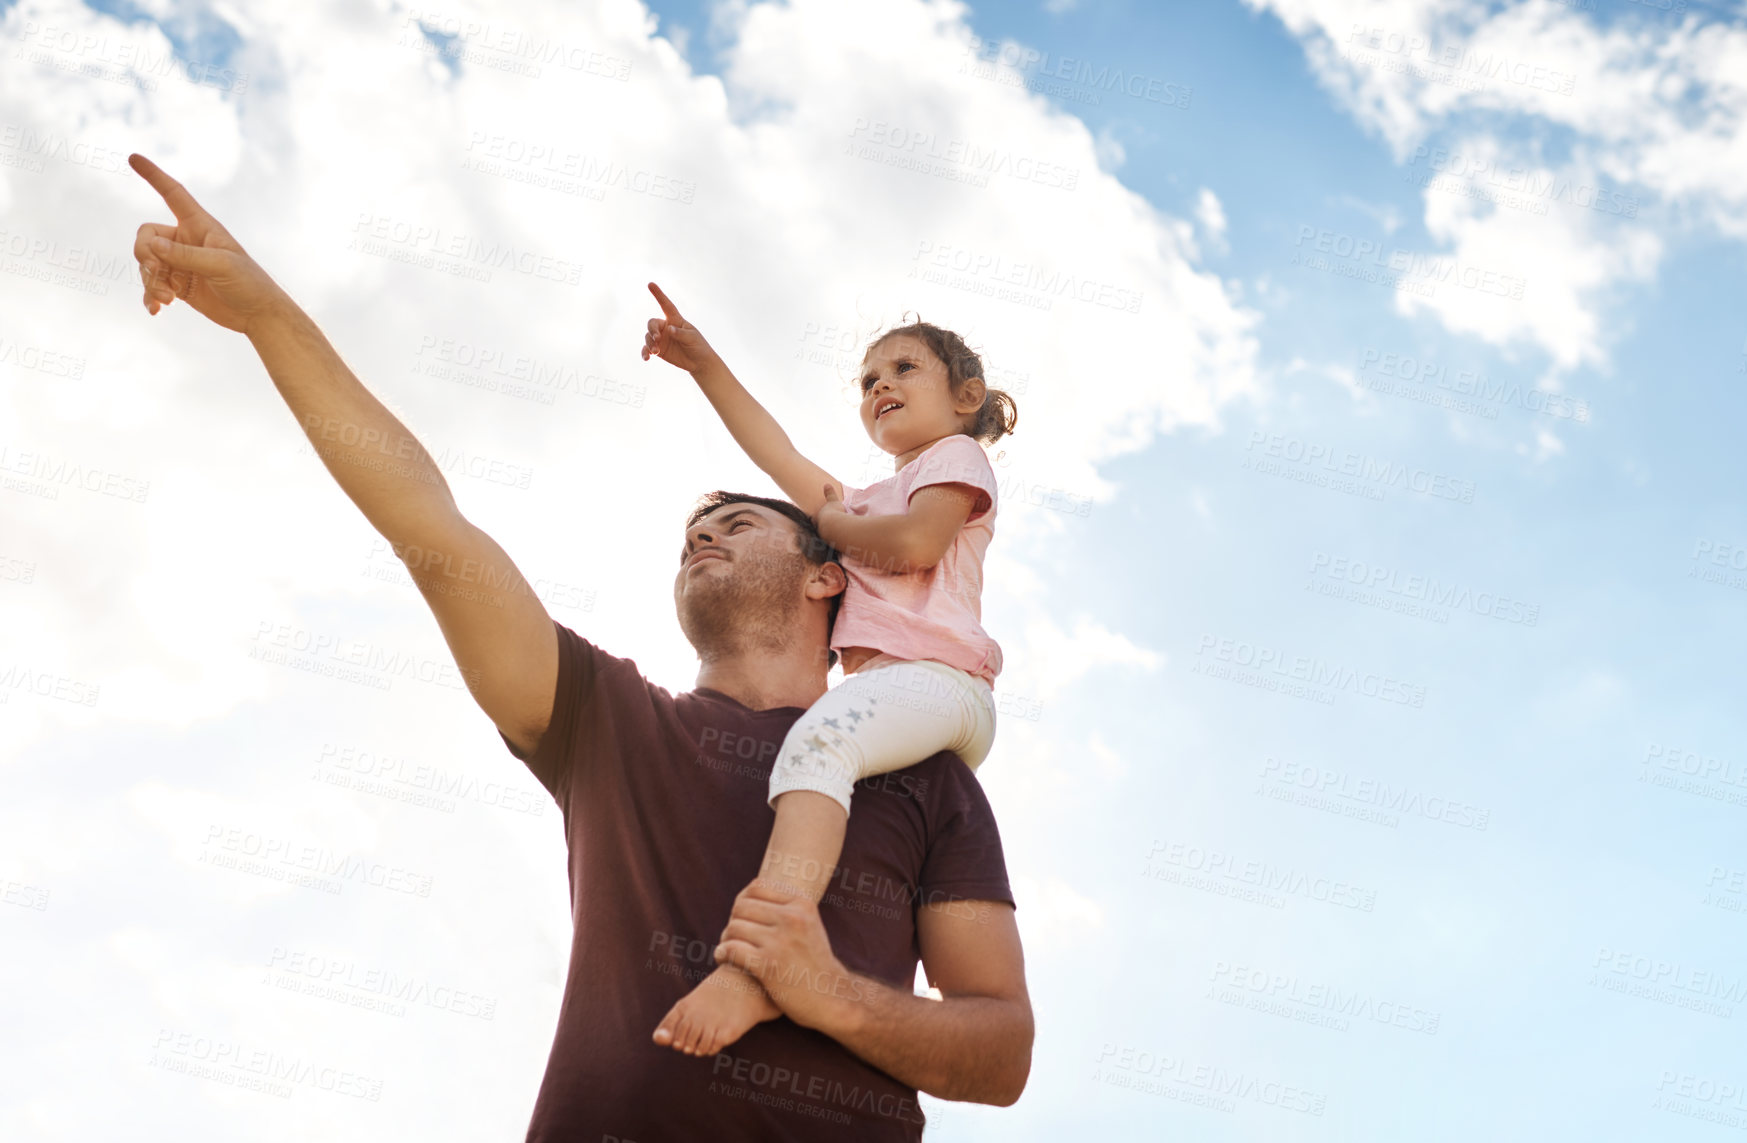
<point>667,1032</point>
<point>686,1039</point>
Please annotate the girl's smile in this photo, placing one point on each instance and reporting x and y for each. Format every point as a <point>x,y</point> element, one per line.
<point>907,401</point>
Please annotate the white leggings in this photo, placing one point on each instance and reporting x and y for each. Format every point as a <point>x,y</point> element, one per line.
<point>890,714</point>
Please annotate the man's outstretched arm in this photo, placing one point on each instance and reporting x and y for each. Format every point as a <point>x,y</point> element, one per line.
<point>974,1044</point>
<point>497,629</point>
<point>502,639</point>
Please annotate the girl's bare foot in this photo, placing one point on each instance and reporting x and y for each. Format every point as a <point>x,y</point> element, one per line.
<point>721,1009</point>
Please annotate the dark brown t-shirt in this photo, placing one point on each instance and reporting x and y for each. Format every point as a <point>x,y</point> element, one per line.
<point>664,805</point>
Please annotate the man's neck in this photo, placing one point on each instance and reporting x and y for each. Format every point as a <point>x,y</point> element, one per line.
<point>765,680</point>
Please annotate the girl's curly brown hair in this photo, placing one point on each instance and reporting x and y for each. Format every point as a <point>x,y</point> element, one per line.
<point>998,415</point>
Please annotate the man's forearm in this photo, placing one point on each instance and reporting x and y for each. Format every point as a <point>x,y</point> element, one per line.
<point>971,1048</point>
<point>377,461</point>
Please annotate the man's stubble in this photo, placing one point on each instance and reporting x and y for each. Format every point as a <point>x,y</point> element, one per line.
<point>755,607</point>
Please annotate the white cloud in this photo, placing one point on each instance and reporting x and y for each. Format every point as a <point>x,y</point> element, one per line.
<point>1051,659</point>
<point>1211,216</point>
<point>1110,151</point>
<point>1569,260</point>
<point>1364,401</point>
<point>681,37</point>
<point>1384,214</point>
<point>1546,445</point>
<point>1645,109</point>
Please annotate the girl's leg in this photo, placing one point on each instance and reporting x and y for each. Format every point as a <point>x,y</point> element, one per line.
<point>889,715</point>
<point>886,716</point>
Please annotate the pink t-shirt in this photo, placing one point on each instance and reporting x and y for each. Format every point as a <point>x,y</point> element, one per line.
<point>932,614</point>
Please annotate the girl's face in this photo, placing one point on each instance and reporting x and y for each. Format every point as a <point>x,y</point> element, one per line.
<point>906,399</point>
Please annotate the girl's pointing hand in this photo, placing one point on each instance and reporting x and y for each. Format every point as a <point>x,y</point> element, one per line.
<point>675,340</point>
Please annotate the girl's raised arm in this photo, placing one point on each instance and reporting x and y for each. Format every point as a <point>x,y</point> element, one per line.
<point>678,342</point>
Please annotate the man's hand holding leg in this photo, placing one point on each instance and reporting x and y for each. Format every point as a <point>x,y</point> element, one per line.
<point>974,1044</point>
<point>779,939</point>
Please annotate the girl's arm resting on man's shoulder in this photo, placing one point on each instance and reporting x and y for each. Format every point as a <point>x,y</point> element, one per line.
<point>914,541</point>
<point>761,438</point>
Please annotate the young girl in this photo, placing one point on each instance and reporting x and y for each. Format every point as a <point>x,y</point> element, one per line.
<point>918,667</point>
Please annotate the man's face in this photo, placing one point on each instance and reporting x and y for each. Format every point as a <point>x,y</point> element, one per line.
<point>741,579</point>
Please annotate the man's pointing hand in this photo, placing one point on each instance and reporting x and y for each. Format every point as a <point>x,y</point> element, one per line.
<point>197,260</point>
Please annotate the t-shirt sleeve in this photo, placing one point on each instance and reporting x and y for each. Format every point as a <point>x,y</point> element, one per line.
<point>965,861</point>
<point>957,460</point>
<point>579,667</point>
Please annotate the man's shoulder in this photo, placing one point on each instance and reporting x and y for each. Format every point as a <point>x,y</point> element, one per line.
<point>941,789</point>
<point>961,855</point>
<point>930,778</point>
<point>595,665</point>
<point>594,684</point>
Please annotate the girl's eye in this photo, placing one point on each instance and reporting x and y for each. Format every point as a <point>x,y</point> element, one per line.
<point>867,382</point>
<point>739,524</point>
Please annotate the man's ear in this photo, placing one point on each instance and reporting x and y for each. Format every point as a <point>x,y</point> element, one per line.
<point>826,581</point>
<point>970,398</point>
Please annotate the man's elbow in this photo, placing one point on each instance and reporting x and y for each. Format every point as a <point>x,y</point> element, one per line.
<point>1009,1093</point>
<point>1021,1073</point>
<point>1015,1072</point>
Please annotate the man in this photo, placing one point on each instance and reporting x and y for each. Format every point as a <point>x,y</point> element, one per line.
<point>664,796</point>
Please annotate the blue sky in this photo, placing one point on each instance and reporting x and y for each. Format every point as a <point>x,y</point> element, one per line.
<point>1446,680</point>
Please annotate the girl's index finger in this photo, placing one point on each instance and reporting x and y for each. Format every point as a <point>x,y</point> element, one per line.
<point>667,307</point>
<point>181,203</point>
